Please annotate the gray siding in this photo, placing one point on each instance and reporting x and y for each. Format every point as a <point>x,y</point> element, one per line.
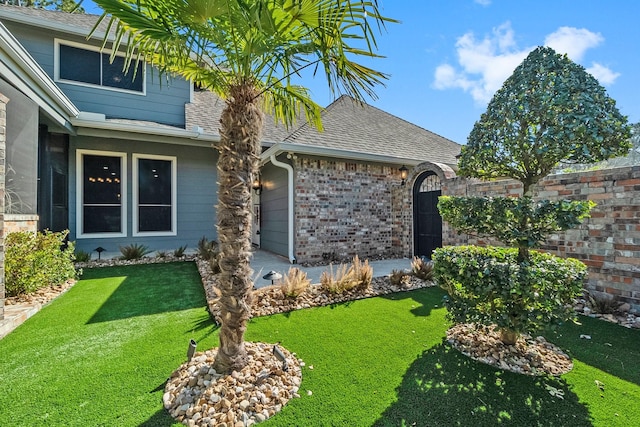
<point>274,210</point>
<point>163,102</point>
<point>196,194</point>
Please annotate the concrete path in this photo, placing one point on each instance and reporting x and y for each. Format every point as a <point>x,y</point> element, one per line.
<point>264,262</point>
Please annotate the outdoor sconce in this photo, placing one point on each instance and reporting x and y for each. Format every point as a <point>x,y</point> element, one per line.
<point>99,249</point>
<point>191,350</point>
<point>257,185</point>
<point>404,172</point>
<point>273,276</point>
<point>280,356</point>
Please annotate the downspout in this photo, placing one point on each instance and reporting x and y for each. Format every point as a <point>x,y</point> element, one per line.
<point>290,195</point>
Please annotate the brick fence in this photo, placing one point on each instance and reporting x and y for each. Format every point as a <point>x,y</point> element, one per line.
<point>608,242</point>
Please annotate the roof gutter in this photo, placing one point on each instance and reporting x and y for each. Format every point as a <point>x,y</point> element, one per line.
<point>290,198</point>
<point>95,125</point>
<point>287,147</point>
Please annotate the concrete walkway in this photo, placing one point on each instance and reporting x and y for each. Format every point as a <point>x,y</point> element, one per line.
<point>264,261</point>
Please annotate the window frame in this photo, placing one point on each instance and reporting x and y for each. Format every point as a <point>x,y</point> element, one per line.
<point>56,68</point>
<point>135,189</point>
<point>80,234</point>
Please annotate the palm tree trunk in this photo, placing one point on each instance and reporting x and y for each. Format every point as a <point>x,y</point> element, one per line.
<point>240,135</point>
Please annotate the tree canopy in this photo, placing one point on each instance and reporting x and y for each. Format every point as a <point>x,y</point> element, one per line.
<point>549,110</point>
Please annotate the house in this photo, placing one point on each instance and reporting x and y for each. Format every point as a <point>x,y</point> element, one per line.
<point>121,158</point>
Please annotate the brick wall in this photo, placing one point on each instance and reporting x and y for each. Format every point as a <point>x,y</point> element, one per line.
<point>608,242</point>
<point>344,208</point>
<point>3,145</point>
<point>14,223</point>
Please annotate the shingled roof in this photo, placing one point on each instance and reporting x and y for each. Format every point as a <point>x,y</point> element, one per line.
<point>79,23</point>
<point>205,112</point>
<point>352,126</point>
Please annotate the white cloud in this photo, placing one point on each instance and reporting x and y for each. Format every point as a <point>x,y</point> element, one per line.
<point>605,75</point>
<point>483,2</point>
<point>573,41</point>
<point>484,64</point>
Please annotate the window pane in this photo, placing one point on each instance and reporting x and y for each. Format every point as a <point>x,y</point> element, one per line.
<point>102,219</point>
<point>113,74</point>
<point>154,182</point>
<point>101,194</point>
<point>102,180</point>
<point>72,57</point>
<point>154,218</point>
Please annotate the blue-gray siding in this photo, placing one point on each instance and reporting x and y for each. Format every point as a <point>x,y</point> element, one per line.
<point>196,193</point>
<point>274,210</point>
<point>163,102</point>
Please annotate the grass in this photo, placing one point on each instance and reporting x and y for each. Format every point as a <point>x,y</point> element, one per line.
<point>100,354</point>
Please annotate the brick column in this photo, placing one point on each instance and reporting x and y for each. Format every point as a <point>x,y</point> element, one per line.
<point>3,145</point>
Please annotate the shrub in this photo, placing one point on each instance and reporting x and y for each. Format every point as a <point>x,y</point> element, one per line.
<point>207,249</point>
<point>161,254</point>
<point>294,283</point>
<point>488,286</point>
<point>356,276</point>
<point>179,252</point>
<point>82,256</point>
<point>134,251</point>
<point>399,278</point>
<point>362,273</point>
<point>338,282</point>
<point>36,260</point>
<point>422,268</point>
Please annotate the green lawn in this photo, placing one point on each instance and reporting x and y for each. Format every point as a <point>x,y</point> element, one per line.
<point>100,354</point>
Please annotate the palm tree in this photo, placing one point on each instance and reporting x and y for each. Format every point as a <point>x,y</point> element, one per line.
<point>247,51</point>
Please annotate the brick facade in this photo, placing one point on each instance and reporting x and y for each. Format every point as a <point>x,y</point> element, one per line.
<point>608,242</point>
<point>343,208</point>
<point>3,146</point>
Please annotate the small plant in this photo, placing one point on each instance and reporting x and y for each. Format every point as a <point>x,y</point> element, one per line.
<point>82,256</point>
<point>36,260</point>
<point>207,249</point>
<point>399,279</point>
<point>179,252</point>
<point>338,282</point>
<point>422,268</point>
<point>134,251</point>
<point>294,283</point>
<point>362,273</point>
<point>603,304</point>
<point>161,254</point>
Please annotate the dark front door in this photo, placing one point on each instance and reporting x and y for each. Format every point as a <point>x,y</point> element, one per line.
<point>427,223</point>
<point>53,187</point>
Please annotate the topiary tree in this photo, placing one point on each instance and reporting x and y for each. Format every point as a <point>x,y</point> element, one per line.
<point>549,110</point>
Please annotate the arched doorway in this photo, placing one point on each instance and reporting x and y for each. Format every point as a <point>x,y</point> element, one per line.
<point>427,222</point>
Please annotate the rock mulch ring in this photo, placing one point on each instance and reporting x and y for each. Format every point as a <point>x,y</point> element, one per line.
<point>529,356</point>
<point>196,395</point>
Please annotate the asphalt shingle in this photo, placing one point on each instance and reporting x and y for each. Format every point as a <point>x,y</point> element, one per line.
<point>350,125</point>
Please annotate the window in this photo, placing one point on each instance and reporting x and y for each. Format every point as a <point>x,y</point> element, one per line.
<point>102,194</point>
<point>154,195</point>
<point>91,67</point>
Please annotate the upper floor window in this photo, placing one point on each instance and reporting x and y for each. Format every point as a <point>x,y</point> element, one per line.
<point>88,66</point>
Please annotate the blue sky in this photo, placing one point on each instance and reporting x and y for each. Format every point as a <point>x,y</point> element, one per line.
<point>447,57</point>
